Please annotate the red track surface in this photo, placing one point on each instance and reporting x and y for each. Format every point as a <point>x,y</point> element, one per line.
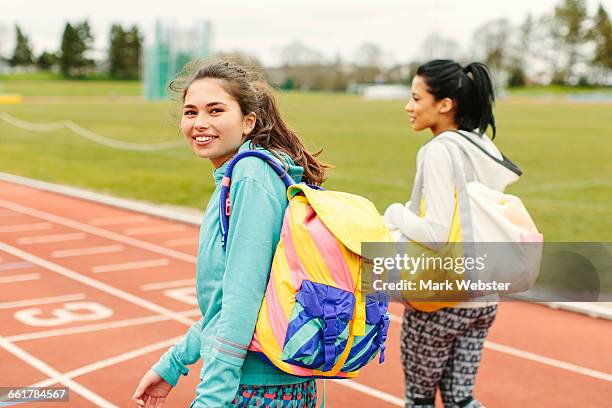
<point>535,356</point>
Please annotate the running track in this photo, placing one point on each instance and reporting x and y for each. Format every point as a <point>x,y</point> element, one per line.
<point>91,295</point>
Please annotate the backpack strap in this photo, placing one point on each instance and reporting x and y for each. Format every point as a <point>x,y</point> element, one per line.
<point>462,176</point>
<point>330,333</point>
<point>225,205</point>
<point>506,162</point>
<point>417,191</point>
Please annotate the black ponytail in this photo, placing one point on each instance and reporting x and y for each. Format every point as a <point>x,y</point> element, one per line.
<point>471,88</point>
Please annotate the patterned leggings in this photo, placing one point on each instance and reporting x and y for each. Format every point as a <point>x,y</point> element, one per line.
<point>442,350</point>
<point>301,395</point>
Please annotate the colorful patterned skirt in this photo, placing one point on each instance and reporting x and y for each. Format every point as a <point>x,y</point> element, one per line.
<point>300,395</point>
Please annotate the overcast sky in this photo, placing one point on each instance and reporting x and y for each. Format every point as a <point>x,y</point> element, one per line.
<point>262,27</point>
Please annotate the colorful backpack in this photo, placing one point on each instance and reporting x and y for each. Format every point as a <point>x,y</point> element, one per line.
<point>314,320</point>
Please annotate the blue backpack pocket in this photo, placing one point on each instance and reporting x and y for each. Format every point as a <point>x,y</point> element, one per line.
<point>366,347</point>
<point>319,326</point>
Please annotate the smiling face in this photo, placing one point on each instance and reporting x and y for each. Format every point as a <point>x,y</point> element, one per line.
<point>212,121</point>
<point>426,112</point>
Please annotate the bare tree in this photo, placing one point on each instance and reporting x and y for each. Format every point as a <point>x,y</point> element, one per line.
<point>369,55</point>
<point>492,42</point>
<point>296,53</point>
<point>546,47</point>
<point>437,47</point>
<point>570,20</point>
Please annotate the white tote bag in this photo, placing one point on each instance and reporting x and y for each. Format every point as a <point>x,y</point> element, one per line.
<point>493,225</point>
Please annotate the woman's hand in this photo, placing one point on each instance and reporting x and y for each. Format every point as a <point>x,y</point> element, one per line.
<point>152,390</point>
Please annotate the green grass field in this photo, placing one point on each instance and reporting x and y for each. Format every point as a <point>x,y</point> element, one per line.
<point>563,148</point>
<point>49,84</point>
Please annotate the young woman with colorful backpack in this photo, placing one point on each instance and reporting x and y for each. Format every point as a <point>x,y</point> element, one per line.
<point>227,109</point>
<point>441,343</point>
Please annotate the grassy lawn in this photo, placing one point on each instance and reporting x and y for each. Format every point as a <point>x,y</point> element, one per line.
<point>558,90</point>
<point>51,84</point>
<point>563,148</point>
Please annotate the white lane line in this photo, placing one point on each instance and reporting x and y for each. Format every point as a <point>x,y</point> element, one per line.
<point>119,220</point>
<point>55,375</point>
<point>98,231</point>
<point>42,301</point>
<point>130,266</point>
<point>352,384</point>
<point>181,242</point>
<point>128,297</point>
<point>11,266</point>
<point>548,361</point>
<point>37,226</point>
<point>395,318</point>
<point>89,328</point>
<point>90,368</point>
<point>104,249</point>
<point>598,310</point>
<point>188,216</point>
<point>168,284</point>
<point>373,392</point>
<point>123,357</point>
<point>44,239</point>
<point>156,229</point>
<point>537,358</point>
<point>20,278</point>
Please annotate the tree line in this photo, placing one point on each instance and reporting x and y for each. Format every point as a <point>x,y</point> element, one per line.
<point>73,58</point>
<point>565,45</point>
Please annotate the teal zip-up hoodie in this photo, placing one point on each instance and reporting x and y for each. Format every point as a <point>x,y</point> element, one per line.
<point>231,285</point>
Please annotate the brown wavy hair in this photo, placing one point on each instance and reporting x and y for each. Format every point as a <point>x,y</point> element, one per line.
<point>247,86</point>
